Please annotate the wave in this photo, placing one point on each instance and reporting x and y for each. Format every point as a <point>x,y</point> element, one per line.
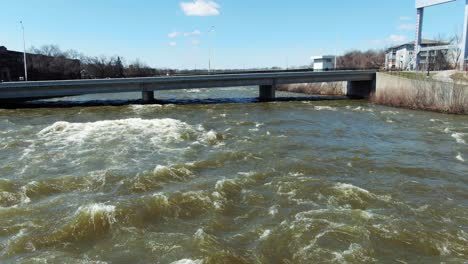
<point>11,195</point>
<point>328,108</point>
<point>188,261</point>
<point>89,223</point>
<point>459,138</point>
<point>113,144</point>
<point>360,109</point>
<point>166,130</point>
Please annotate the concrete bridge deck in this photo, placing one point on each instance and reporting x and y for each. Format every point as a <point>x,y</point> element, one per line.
<point>360,83</point>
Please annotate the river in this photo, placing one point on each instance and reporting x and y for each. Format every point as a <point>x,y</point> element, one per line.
<point>282,182</point>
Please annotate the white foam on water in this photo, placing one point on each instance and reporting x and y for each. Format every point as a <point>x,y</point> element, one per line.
<point>390,112</point>
<point>12,239</point>
<point>200,234</point>
<point>159,130</point>
<point>209,136</point>
<point>94,210</point>
<point>160,168</point>
<point>142,108</point>
<point>361,109</point>
<point>347,187</point>
<point>295,174</point>
<point>265,234</point>
<point>327,108</point>
<point>162,198</point>
<point>113,141</point>
<point>188,261</point>
<point>444,249</point>
<point>459,138</point>
<point>463,236</point>
<point>220,184</point>
<point>24,198</point>
<point>273,210</point>
<point>459,157</point>
<point>193,90</point>
<point>340,257</point>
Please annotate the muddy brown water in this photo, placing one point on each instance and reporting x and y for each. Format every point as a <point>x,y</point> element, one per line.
<point>282,182</point>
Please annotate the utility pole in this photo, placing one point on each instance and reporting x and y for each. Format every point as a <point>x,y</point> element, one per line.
<point>24,55</point>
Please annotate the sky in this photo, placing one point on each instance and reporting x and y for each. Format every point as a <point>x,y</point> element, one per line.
<point>233,33</point>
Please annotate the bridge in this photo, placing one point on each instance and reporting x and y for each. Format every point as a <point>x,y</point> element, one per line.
<point>360,84</point>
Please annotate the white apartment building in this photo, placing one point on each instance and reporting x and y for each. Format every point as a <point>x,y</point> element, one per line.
<point>401,57</point>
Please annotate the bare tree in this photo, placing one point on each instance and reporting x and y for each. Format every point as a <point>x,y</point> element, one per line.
<point>48,50</point>
<point>456,54</point>
<point>371,59</point>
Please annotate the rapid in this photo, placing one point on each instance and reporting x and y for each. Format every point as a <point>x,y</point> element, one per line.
<point>283,182</point>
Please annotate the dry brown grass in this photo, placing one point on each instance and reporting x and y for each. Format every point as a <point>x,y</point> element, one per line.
<point>333,88</point>
<point>425,95</point>
<point>460,77</point>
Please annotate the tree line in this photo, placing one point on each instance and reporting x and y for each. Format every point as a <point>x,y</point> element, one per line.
<point>361,60</point>
<point>50,60</point>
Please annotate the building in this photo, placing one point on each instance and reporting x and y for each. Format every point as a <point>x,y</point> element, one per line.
<point>402,57</point>
<point>11,65</point>
<point>40,67</point>
<point>324,63</point>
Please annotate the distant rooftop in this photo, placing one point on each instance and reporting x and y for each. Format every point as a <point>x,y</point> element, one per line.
<point>322,57</point>
<point>424,42</point>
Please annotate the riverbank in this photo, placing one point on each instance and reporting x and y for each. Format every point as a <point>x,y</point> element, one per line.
<point>445,92</point>
<point>421,93</point>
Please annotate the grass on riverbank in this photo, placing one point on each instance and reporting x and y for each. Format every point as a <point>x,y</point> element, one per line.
<point>424,95</point>
<point>412,75</point>
<point>460,76</point>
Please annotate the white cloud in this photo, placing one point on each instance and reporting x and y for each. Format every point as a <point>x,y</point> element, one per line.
<point>200,8</point>
<point>405,18</point>
<point>174,34</point>
<point>195,41</point>
<point>173,44</point>
<point>193,33</point>
<point>397,38</point>
<point>407,27</point>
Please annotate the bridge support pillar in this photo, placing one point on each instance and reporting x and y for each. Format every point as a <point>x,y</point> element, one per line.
<point>147,97</point>
<point>267,93</point>
<point>360,89</point>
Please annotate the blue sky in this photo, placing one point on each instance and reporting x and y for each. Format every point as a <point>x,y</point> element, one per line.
<point>247,33</point>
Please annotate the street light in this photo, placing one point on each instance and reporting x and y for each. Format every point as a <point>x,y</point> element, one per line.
<point>24,54</point>
<point>212,29</point>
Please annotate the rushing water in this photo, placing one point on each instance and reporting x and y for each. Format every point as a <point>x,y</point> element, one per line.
<point>283,182</point>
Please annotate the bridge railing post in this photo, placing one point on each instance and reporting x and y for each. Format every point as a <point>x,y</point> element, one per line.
<point>267,93</point>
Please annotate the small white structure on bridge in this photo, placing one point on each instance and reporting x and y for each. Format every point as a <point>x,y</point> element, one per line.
<point>420,5</point>
<point>324,63</point>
